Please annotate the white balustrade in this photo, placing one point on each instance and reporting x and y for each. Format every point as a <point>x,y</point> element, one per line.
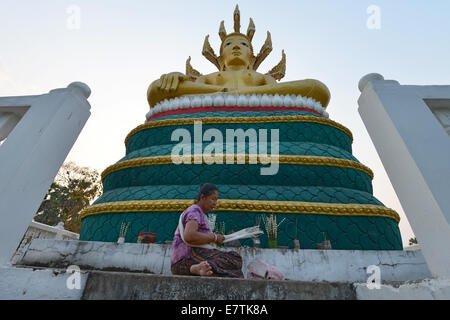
<point>37,230</point>
<point>409,126</point>
<point>37,133</point>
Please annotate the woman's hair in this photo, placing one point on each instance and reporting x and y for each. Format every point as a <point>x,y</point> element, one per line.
<point>206,190</point>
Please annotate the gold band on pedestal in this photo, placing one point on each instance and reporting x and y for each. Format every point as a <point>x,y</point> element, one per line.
<point>249,159</point>
<point>228,120</point>
<point>277,207</point>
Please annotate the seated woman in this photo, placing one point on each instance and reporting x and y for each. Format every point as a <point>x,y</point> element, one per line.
<point>187,260</point>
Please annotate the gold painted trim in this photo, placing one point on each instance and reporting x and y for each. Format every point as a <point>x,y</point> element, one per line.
<point>226,120</point>
<point>282,159</point>
<point>277,207</point>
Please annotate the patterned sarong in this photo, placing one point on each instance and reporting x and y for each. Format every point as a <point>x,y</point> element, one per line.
<point>223,264</point>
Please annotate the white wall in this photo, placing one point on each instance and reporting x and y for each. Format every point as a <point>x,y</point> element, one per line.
<point>302,265</point>
<point>409,128</point>
<point>40,131</point>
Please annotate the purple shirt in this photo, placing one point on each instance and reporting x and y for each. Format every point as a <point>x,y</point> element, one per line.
<point>179,249</point>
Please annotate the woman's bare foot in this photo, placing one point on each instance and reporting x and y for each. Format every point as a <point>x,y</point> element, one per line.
<point>202,269</point>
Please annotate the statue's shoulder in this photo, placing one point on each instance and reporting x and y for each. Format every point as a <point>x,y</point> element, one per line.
<point>209,78</point>
<point>217,73</point>
<point>268,79</point>
<point>212,75</point>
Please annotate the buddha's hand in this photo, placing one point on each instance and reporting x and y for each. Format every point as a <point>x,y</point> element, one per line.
<point>170,81</point>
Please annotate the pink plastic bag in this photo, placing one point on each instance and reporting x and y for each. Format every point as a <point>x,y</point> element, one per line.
<point>260,270</point>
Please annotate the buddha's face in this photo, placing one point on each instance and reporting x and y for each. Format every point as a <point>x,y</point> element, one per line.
<point>236,52</point>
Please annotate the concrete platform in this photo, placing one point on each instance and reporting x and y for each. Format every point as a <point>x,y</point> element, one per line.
<point>38,284</point>
<point>18,283</point>
<point>300,265</point>
<point>55,284</point>
<point>142,272</point>
<point>133,286</point>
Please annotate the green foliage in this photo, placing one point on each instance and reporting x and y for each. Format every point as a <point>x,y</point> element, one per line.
<point>74,188</point>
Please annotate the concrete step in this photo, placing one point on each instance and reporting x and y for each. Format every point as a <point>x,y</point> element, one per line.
<point>38,283</point>
<point>44,269</point>
<point>140,286</point>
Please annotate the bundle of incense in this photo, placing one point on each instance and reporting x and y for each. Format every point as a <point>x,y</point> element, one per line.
<point>244,233</point>
<point>250,232</point>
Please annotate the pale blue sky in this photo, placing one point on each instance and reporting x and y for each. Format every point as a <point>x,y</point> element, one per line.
<point>122,46</point>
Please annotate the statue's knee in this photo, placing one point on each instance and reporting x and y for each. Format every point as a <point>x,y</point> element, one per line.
<point>155,84</point>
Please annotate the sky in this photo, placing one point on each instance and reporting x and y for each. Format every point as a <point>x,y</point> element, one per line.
<point>119,47</point>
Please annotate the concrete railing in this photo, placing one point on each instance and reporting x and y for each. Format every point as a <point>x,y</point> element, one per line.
<point>299,265</point>
<point>38,230</point>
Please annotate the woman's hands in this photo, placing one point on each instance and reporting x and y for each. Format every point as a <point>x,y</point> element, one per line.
<point>170,81</point>
<point>194,237</point>
<point>219,238</point>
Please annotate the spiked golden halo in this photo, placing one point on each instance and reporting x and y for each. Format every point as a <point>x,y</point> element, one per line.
<point>277,72</point>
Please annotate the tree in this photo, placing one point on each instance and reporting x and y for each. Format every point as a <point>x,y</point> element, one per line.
<point>412,241</point>
<point>73,189</point>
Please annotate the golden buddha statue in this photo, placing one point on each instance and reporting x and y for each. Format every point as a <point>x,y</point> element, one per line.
<point>237,74</point>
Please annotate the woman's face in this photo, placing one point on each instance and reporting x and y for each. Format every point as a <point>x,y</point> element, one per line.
<point>209,202</point>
